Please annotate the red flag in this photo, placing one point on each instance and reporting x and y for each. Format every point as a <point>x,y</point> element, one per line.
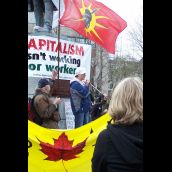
<point>94,21</point>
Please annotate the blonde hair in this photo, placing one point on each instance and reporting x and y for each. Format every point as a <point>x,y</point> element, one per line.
<point>126,105</point>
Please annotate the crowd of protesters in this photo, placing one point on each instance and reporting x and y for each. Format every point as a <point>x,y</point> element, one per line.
<point>85,107</point>
<point>119,147</point>
<point>41,109</point>
<point>122,140</point>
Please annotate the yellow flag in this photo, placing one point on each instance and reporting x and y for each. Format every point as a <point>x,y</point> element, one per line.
<point>56,150</point>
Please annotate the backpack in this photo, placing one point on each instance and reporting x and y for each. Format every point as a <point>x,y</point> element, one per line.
<point>32,113</point>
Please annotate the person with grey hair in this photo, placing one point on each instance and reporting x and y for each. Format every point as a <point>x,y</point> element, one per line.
<point>43,11</point>
<point>122,141</point>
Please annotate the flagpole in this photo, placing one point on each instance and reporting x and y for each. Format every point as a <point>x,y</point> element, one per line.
<point>96,89</point>
<point>58,47</point>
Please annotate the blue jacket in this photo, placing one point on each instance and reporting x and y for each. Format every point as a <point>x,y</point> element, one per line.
<point>80,97</point>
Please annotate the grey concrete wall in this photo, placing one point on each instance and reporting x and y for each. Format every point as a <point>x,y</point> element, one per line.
<point>32,85</point>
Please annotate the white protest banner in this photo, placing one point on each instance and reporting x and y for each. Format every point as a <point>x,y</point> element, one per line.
<point>43,57</point>
<point>70,118</point>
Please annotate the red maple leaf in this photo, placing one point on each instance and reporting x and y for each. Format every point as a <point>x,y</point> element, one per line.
<point>62,148</point>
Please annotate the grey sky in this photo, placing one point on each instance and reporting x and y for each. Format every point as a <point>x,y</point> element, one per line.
<point>132,12</point>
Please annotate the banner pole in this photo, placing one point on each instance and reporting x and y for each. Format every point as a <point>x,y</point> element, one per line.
<point>58,47</point>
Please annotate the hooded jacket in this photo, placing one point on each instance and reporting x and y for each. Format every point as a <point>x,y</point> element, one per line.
<point>119,148</point>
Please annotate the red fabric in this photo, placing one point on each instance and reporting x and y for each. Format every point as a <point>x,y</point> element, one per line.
<point>105,24</point>
<point>30,115</point>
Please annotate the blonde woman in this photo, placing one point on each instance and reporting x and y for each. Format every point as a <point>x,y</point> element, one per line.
<point>119,148</point>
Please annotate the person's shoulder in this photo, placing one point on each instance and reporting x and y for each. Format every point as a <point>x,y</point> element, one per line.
<point>103,140</point>
<point>39,97</point>
<point>103,135</point>
<point>75,84</point>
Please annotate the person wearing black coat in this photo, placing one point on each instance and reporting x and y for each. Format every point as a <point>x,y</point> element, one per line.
<point>119,148</point>
<point>100,107</point>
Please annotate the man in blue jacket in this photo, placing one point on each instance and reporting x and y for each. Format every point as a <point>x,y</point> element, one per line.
<point>80,97</point>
